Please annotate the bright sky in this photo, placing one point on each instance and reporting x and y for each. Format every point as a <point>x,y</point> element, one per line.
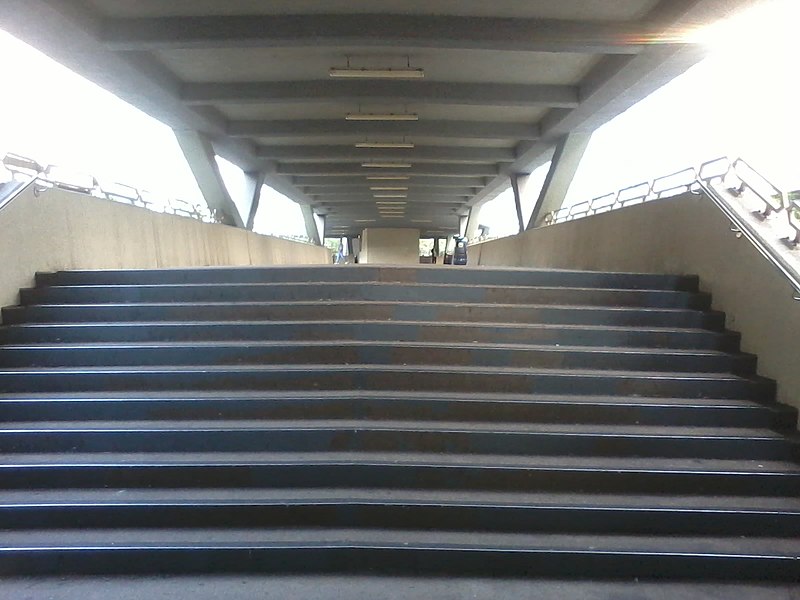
<point>744,100</point>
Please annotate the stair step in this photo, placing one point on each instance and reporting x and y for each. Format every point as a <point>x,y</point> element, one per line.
<point>98,294</point>
<point>399,406</point>
<point>387,377</point>
<point>393,437</point>
<point>483,276</point>
<point>363,352</point>
<point>348,551</point>
<point>357,310</point>
<point>410,331</point>
<point>566,474</point>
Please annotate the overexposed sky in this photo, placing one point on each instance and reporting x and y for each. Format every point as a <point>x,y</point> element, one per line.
<point>742,101</point>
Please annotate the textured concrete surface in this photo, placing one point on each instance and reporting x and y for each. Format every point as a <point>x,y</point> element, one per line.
<point>248,587</point>
<point>62,230</point>
<point>684,235</point>
<point>385,246</point>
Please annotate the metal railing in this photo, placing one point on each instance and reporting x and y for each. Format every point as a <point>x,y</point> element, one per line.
<point>22,172</point>
<point>768,217</point>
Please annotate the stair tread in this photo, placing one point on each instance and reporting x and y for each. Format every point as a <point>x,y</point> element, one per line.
<point>322,395</point>
<point>272,496</point>
<point>634,350</point>
<point>579,463</point>
<point>382,425</point>
<point>287,368</point>
<point>388,538</point>
<point>353,322</point>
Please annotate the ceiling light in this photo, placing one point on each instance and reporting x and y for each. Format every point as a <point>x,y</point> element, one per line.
<point>365,220</point>
<point>382,117</point>
<point>393,216</point>
<point>388,178</point>
<point>386,165</point>
<point>421,221</point>
<point>390,195</point>
<point>389,189</point>
<point>350,73</point>
<point>384,145</point>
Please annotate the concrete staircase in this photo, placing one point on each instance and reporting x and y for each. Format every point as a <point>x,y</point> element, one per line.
<point>390,421</point>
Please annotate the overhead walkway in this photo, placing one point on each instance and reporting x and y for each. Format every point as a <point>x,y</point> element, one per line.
<point>389,421</point>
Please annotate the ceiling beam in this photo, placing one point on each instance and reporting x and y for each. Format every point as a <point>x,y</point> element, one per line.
<point>333,153</point>
<point>444,170</point>
<point>374,30</point>
<point>389,92</point>
<point>310,182</point>
<point>476,130</point>
<point>412,200</point>
<point>615,83</point>
<point>345,191</point>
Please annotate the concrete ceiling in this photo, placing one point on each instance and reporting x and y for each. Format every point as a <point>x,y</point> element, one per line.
<point>504,82</point>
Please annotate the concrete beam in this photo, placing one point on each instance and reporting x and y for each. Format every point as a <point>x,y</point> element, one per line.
<point>314,128</point>
<point>309,182</point>
<point>356,169</point>
<point>312,231</point>
<point>334,153</point>
<point>336,192</point>
<point>257,180</point>
<point>200,155</point>
<point>471,229</point>
<point>516,181</point>
<point>566,160</point>
<point>375,30</point>
<point>382,92</point>
<point>616,82</point>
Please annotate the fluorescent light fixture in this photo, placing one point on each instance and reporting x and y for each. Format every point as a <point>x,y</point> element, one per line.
<point>389,189</point>
<point>393,216</point>
<point>421,221</point>
<point>365,220</point>
<point>388,178</point>
<point>384,145</point>
<point>351,73</point>
<point>382,202</point>
<point>390,195</point>
<point>382,117</point>
<point>386,165</point>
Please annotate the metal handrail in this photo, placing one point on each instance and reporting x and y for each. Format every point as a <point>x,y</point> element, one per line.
<point>48,177</point>
<point>703,179</point>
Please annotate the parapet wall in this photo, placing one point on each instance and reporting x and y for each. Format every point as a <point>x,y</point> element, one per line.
<point>682,235</point>
<point>59,230</point>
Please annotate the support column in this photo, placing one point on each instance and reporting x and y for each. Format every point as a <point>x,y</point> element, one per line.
<point>200,155</point>
<point>566,160</point>
<point>312,231</point>
<point>518,181</point>
<point>256,182</point>
<point>472,222</point>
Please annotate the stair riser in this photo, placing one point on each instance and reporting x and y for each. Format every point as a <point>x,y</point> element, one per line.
<point>374,354</point>
<point>396,476</point>
<point>416,562</point>
<point>395,332</point>
<point>222,409</point>
<point>365,274</point>
<point>399,380</point>
<point>362,440</point>
<point>399,516</point>
<point>378,311</point>
<point>388,292</point>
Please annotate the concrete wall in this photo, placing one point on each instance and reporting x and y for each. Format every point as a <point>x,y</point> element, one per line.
<point>61,230</point>
<point>687,234</point>
<point>385,246</point>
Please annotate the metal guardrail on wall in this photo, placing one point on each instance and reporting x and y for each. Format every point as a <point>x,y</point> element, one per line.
<point>737,189</point>
<point>24,171</point>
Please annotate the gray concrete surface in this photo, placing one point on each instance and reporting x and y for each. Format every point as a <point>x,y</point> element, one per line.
<point>683,235</point>
<point>385,246</point>
<point>59,230</point>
